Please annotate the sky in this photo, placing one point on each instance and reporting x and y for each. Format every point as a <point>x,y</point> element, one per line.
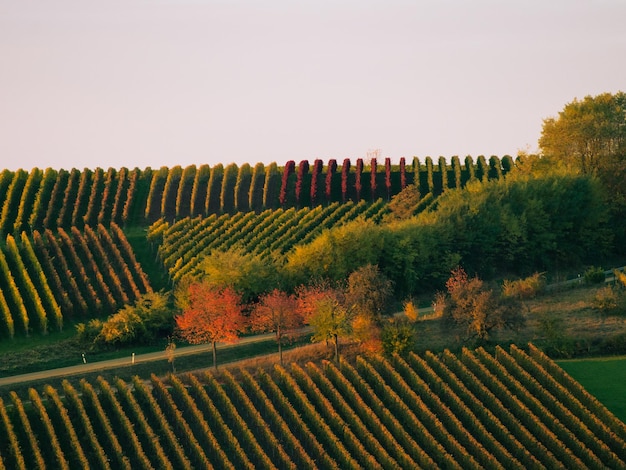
<point>151,83</point>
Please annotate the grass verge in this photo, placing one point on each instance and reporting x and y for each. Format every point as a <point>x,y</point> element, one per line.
<point>604,378</point>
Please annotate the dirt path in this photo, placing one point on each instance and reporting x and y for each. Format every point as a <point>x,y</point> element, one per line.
<point>126,361</point>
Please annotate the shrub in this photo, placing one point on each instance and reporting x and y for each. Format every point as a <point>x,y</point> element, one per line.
<point>149,318</point>
<point>88,332</point>
<point>410,310</point>
<point>594,275</point>
<point>526,288</point>
<point>398,336</point>
<point>614,344</point>
<point>606,299</point>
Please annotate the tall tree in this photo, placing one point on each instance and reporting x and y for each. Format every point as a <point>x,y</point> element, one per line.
<point>278,312</point>
<point>331,320</point>
<point>212,315</point>
<point>368,291</point>
<point>588,134</point>
<point>324,308</point>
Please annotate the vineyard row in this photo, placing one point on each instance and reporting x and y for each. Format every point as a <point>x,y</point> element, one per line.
<point>511,410</point>
<point>48,278</point>
<point>183,244</point>
<point>47,199</point>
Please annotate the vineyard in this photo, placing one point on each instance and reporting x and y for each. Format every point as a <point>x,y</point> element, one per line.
<point>39,200</point>
<point>52,276</point>
<point>513,409</point>
<point>183,244</point>
<point>64,253</point>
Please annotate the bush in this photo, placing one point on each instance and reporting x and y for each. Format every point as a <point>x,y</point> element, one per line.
<point>398,336</point>
<point>149,318</point>
<point>614,344</point>
<point>526,288</point>
<point>88,332</point>
<point>594,275</point>
<point>606,300</point>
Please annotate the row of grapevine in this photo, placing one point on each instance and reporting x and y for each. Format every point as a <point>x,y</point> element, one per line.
<point>185,242</point>
<point>60,198</point>
<point>580,431</point>
<point>414,390</point>
<point>46,279</point>
<point>472,410</point>
<point>482,423</point>
<point>49,199</point>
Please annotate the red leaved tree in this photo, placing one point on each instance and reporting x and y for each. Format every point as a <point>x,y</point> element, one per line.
<point>211,315</point>
<point>277,312</point>
<point>373,170</point>
<point>388,177</point>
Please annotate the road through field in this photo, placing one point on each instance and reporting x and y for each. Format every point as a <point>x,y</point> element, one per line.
<point>187,350</point>
<point>84,368</point>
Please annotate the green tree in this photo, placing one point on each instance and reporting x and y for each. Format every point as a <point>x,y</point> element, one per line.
<point>322,305</point>
<point>331,320</point>
<point>248,274</point>
<point>398,336</point>
<point>335,253</point>
<point>587,135</point>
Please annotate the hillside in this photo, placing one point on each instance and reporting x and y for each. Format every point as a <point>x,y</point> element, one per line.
<point>513,409</point>
<point>64,252</point>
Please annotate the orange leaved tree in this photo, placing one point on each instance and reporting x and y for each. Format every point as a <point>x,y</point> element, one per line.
<point>277,312</point>
<point>211,315</point>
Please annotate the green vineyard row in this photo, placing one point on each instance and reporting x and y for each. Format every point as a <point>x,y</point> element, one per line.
<point>47,199</point>
<point>183,244</point>
<point>514,409</point>
<point>49,277</point>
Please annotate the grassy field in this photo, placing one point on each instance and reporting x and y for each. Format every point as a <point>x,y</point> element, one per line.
<point>604,377</point>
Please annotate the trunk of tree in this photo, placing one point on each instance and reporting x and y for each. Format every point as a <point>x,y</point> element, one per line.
<point>336,340</point>
<point>214,356</point>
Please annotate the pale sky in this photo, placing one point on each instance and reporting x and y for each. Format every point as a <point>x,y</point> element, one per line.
<point>138,83</point>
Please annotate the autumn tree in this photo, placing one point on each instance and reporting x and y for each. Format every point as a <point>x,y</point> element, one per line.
<point>277,312</point>
<point>367,294</point>
<point>212,315</point>
<point>368,290</point>
<point>477,310</point>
